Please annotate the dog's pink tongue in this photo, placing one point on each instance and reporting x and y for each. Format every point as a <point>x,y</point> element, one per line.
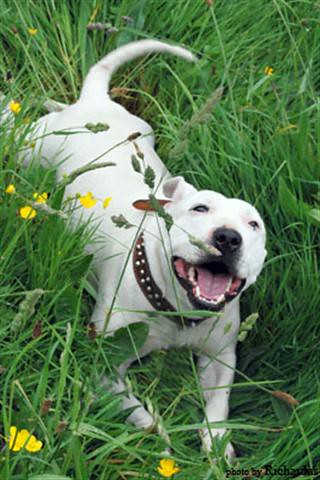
<point>211,286</point>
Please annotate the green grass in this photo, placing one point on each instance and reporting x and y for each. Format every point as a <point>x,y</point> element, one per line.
<point>261,143</point>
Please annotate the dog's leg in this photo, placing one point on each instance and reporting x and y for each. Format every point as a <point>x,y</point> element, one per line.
<point>214,374</point>
<point>54,106</point>
<point>140,417</point>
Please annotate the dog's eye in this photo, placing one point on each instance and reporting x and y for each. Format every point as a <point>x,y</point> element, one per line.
<point>200,208</point>
<point>254,224</point>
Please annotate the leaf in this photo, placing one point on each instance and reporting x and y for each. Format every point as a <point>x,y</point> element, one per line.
<point>227,328</point>
<point>57,198</point>
<point>49,476</point>
<point>26,308</point>
<point>97,127</point>
<point>120,221</point>
<point>66,132</point>
<point>66,304</point>
<point>156,205</point>
<point>89,288</point>
<point>306,78</point>
<point>137,13</point>
<point>135,164</point>
<point>282,410</point>
<point>202,116</point>
<point>256,86</point>
<point>289,202</point>
<point>92,431</point>
<point>126,342</point>
<point>286,397</point>
<point>80,269</point>
<point>205,247</point>
<point>149,177</point>
<point>247,325</point>
<point>314,213</point>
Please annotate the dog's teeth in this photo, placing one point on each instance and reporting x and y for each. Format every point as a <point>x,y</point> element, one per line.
<point>220,299</point>
<point>213,301</point>
<point>191,275</point>
<point>229,284</point>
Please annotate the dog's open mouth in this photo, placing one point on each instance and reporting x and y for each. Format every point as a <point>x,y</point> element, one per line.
<point>209,285</point>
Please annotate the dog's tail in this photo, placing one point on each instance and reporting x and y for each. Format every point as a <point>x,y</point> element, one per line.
<point>98,78</point>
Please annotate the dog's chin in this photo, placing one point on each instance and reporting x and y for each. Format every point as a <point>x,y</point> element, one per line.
<point>209,285</point>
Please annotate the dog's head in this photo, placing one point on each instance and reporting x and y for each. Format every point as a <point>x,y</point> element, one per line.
<point>211,278</point>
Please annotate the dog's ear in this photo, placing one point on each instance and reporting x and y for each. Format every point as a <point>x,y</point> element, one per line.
<point>145,204</point>
<point>177,188</point>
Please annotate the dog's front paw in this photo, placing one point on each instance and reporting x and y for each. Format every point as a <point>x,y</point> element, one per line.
<point>207,439</point>
<point>141,418</point>
<point>229,453</point>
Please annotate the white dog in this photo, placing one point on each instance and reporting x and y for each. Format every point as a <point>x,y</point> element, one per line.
<point>148,267</point>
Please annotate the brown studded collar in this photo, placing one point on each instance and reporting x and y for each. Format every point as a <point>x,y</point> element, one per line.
<point>151,290</point>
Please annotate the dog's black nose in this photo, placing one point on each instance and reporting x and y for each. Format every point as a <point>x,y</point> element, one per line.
<point>227,240</point>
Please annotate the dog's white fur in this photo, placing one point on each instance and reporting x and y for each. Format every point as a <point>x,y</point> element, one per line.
<point>211,339</point>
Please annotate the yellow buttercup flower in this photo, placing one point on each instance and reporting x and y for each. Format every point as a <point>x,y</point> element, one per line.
<point>33,31</point>
<point>10,189</point>
<point>40,197</point>
<point>167,468</point>
<point>22,439</point>
<point>15,107</point>
<point>268,71</point>
<point>87,200</point>
<point>106,202</point>
<point>27,212</point>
